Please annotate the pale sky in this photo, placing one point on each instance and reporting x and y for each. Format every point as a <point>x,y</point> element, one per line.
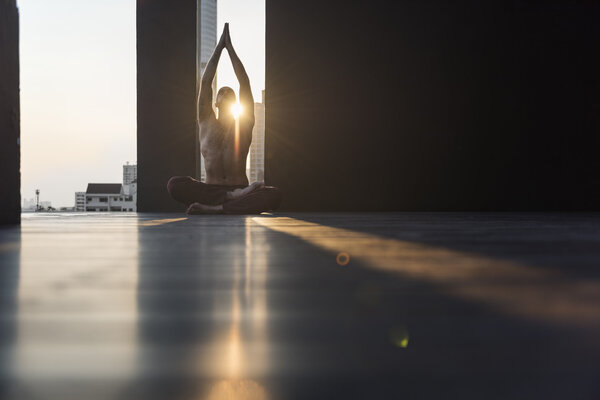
<point>247,27</point>
<point>78,89</point>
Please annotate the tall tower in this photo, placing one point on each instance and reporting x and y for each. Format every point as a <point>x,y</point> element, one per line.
<point>129,173</point>
<point>256,167</point>
<point>207,40</point>
<point>207,32</point>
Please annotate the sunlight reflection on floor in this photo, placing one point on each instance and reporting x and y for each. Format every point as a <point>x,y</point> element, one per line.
<point>509,287</point>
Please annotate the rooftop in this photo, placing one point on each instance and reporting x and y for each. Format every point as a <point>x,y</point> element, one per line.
<point>104,188</point>
<point>300,306</point>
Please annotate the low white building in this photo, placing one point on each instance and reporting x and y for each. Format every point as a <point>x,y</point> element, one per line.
<point>29,204</point>
<point>108,197</point>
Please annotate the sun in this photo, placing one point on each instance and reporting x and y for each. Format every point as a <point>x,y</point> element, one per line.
<point>236,109</point>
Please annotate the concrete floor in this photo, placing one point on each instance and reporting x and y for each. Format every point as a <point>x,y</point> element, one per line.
<point>300,306</point>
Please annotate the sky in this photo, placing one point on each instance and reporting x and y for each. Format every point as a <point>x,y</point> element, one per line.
<point>247,28</point>
<point>78,89</point>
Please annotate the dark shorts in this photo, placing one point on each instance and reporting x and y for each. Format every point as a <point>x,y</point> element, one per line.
<point>188,190</point>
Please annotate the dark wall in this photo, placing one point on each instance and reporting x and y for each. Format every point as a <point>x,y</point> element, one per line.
<point>10,194</point>
<point>166,90</point>
<point>434,105</point>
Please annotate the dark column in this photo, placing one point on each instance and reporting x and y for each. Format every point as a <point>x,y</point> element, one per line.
<point>166,90</point>
<point>433,105</point>
<point>10,156</point>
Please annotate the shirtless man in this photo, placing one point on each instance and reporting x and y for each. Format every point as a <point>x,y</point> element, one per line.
<point>224,141</point>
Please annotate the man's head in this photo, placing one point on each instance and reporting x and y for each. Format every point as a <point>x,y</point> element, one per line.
<point>225,99</point>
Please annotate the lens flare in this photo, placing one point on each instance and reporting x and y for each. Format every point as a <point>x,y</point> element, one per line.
<point>343,258</point>
<point>236,109</point>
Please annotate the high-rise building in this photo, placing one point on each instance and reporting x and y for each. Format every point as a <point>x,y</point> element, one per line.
<point>207,32</point>
<point>129,173</point>
<point>256,156</point>
<point>207,40</point>
<point>79,201</point>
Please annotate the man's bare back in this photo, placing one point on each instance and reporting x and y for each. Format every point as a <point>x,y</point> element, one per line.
<point>225,139</point>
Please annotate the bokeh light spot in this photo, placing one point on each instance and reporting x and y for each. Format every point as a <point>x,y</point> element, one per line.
<point>343,258</point>
<point>399,336</point>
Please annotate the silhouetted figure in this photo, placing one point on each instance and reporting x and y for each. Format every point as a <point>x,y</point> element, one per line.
<point>224,141</point>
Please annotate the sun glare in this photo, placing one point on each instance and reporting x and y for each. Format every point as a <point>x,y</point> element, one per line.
<point>236,109</point>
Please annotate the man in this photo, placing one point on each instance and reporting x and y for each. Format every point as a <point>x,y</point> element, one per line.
<point>224,141</point>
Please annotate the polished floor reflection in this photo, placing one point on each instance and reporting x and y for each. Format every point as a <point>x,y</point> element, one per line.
<point>300,306</point>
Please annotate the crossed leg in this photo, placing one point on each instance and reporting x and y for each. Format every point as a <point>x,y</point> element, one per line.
<point>202,198</point>
<point>199,208</point>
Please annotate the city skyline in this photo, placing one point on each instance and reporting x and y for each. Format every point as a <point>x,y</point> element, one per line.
<point>78,92</point>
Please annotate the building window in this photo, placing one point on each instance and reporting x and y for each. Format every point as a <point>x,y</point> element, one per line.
<point>89,199</point>
<point>103,199</point>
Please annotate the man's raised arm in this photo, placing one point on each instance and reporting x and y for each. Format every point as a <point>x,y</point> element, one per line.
<point>240,72</point>
<point>206,93</point>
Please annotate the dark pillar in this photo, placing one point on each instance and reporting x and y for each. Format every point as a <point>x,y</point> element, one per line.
<point>166,98</point>
<point>10,156</point>
<point>433,105</point>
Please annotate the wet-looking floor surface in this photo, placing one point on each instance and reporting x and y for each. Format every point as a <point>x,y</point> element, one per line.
<point>300,306</point>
